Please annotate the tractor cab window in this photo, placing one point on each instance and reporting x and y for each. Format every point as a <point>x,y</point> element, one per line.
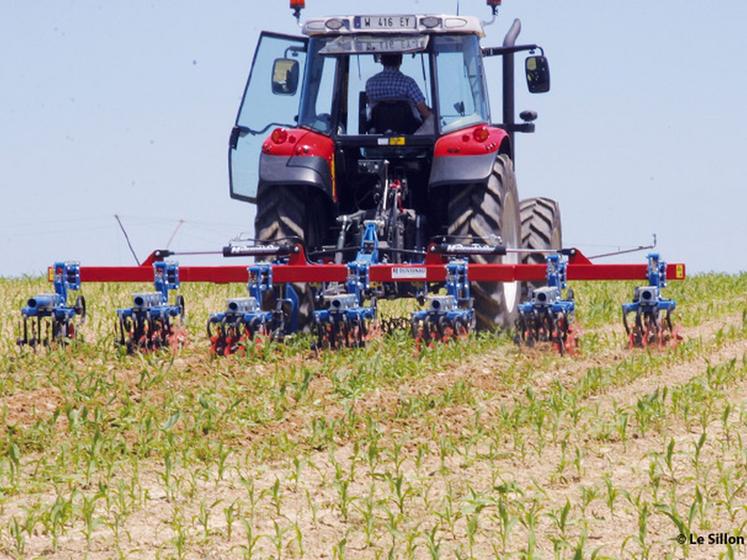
<point>362,67</point>
<point>462,99</point>
<point>319,90</point>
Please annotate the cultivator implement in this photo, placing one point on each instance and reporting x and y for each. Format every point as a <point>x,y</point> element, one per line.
<point>244,322</point>
<point>549,315</point>
<point>47,318</point>
<point>345,319</point>
<point>346,313</point>
<point>446,317</point>
<point>152,322</point>
<point>652,325</point>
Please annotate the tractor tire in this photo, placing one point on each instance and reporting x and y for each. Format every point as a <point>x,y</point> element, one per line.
<point>295,212</point>
<point>483,211</point>
<point>540,229</point>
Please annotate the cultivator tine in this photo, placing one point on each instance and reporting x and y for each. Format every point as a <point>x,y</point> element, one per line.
<point>548,316</point>
<point>652,327</point>
<point>389,325</point>
<point>235,336</point>
<point>344,323</point>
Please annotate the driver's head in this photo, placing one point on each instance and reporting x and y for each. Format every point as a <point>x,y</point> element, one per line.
<point>391,60</point>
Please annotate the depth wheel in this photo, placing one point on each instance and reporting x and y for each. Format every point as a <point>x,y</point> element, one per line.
<point>484,211</point>
<point>293,212</point>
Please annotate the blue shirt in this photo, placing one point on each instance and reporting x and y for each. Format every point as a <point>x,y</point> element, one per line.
<point>390,83</point>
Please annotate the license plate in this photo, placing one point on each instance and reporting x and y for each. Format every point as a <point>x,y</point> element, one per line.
<point>384,22</point>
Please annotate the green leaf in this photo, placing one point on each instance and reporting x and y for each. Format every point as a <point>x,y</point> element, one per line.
<point>173,419</point>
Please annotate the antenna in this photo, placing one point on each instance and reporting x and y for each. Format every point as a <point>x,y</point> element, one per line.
<point>457,7</point>
<point>168,244</point>
<point>127,238</point>
<point>621,251</point>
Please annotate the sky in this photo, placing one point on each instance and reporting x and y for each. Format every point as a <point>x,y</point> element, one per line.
<point>125,107</point>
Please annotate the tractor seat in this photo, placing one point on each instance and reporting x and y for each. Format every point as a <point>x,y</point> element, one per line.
<point>393,116</point>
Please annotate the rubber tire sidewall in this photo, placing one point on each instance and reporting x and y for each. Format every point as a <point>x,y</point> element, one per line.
<point>541,229</point>
<point>481,211</point>
<point>292,211</point>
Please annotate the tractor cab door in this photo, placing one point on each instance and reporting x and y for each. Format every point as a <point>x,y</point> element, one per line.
<point>271,98</point>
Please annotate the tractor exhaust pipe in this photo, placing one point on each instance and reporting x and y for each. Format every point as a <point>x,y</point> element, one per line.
<point>509,107</point>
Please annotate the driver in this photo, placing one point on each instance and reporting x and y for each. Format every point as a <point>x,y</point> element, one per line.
<point>390,83</point>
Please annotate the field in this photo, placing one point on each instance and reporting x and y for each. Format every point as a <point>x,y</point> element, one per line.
<point>468,450</point>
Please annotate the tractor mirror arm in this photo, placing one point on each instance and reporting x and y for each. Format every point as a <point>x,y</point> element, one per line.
<point>527,128</point>
<point>500,51</point>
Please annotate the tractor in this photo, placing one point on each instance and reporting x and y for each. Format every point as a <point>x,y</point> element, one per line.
<point>368,148</point>
<point>322,162</point>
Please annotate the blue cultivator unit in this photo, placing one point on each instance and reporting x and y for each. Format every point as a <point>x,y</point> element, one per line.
<point>344,320</point>
<point>244,320</point>
<point>152,322</point>
<point>653,313</point>
<point>548,315</point>
<point>47,318</point>
<point>449,316</point>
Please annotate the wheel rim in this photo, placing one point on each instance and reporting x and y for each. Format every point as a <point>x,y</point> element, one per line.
<point>510,235</point>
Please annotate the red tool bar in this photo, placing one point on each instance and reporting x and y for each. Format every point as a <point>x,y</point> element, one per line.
<point>212,274</point>
<point>378,273</point>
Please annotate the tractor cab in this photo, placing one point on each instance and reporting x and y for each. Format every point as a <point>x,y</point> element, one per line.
<point>385,120</point>
<point>315,86</point>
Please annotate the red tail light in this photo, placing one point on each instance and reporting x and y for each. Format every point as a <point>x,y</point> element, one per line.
<point>279,135</point>
<point>481,133</point>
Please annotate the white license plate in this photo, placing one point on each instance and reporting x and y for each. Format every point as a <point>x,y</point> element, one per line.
<point>384,22</point>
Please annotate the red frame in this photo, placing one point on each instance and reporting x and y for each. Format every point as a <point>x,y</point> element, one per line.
<point>299,269</point>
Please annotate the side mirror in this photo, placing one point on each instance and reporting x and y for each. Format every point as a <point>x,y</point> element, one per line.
<point>285,76</point>
<point>538,74</point>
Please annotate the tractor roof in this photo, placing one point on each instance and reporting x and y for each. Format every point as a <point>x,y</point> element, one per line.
<point>394,24</point>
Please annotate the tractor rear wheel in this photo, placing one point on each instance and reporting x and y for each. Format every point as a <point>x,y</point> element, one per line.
<point>540,229</point>
<point>485,211</point>
<point>293,212</point>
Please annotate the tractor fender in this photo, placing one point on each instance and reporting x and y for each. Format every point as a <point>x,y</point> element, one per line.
<point>303,171</point>
<point>303,158</point>
<point>460,158</point>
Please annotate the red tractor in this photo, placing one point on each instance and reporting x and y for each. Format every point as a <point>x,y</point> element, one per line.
<point>334,159</point>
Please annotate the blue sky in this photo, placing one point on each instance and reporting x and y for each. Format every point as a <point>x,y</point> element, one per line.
<point>125,107</point>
